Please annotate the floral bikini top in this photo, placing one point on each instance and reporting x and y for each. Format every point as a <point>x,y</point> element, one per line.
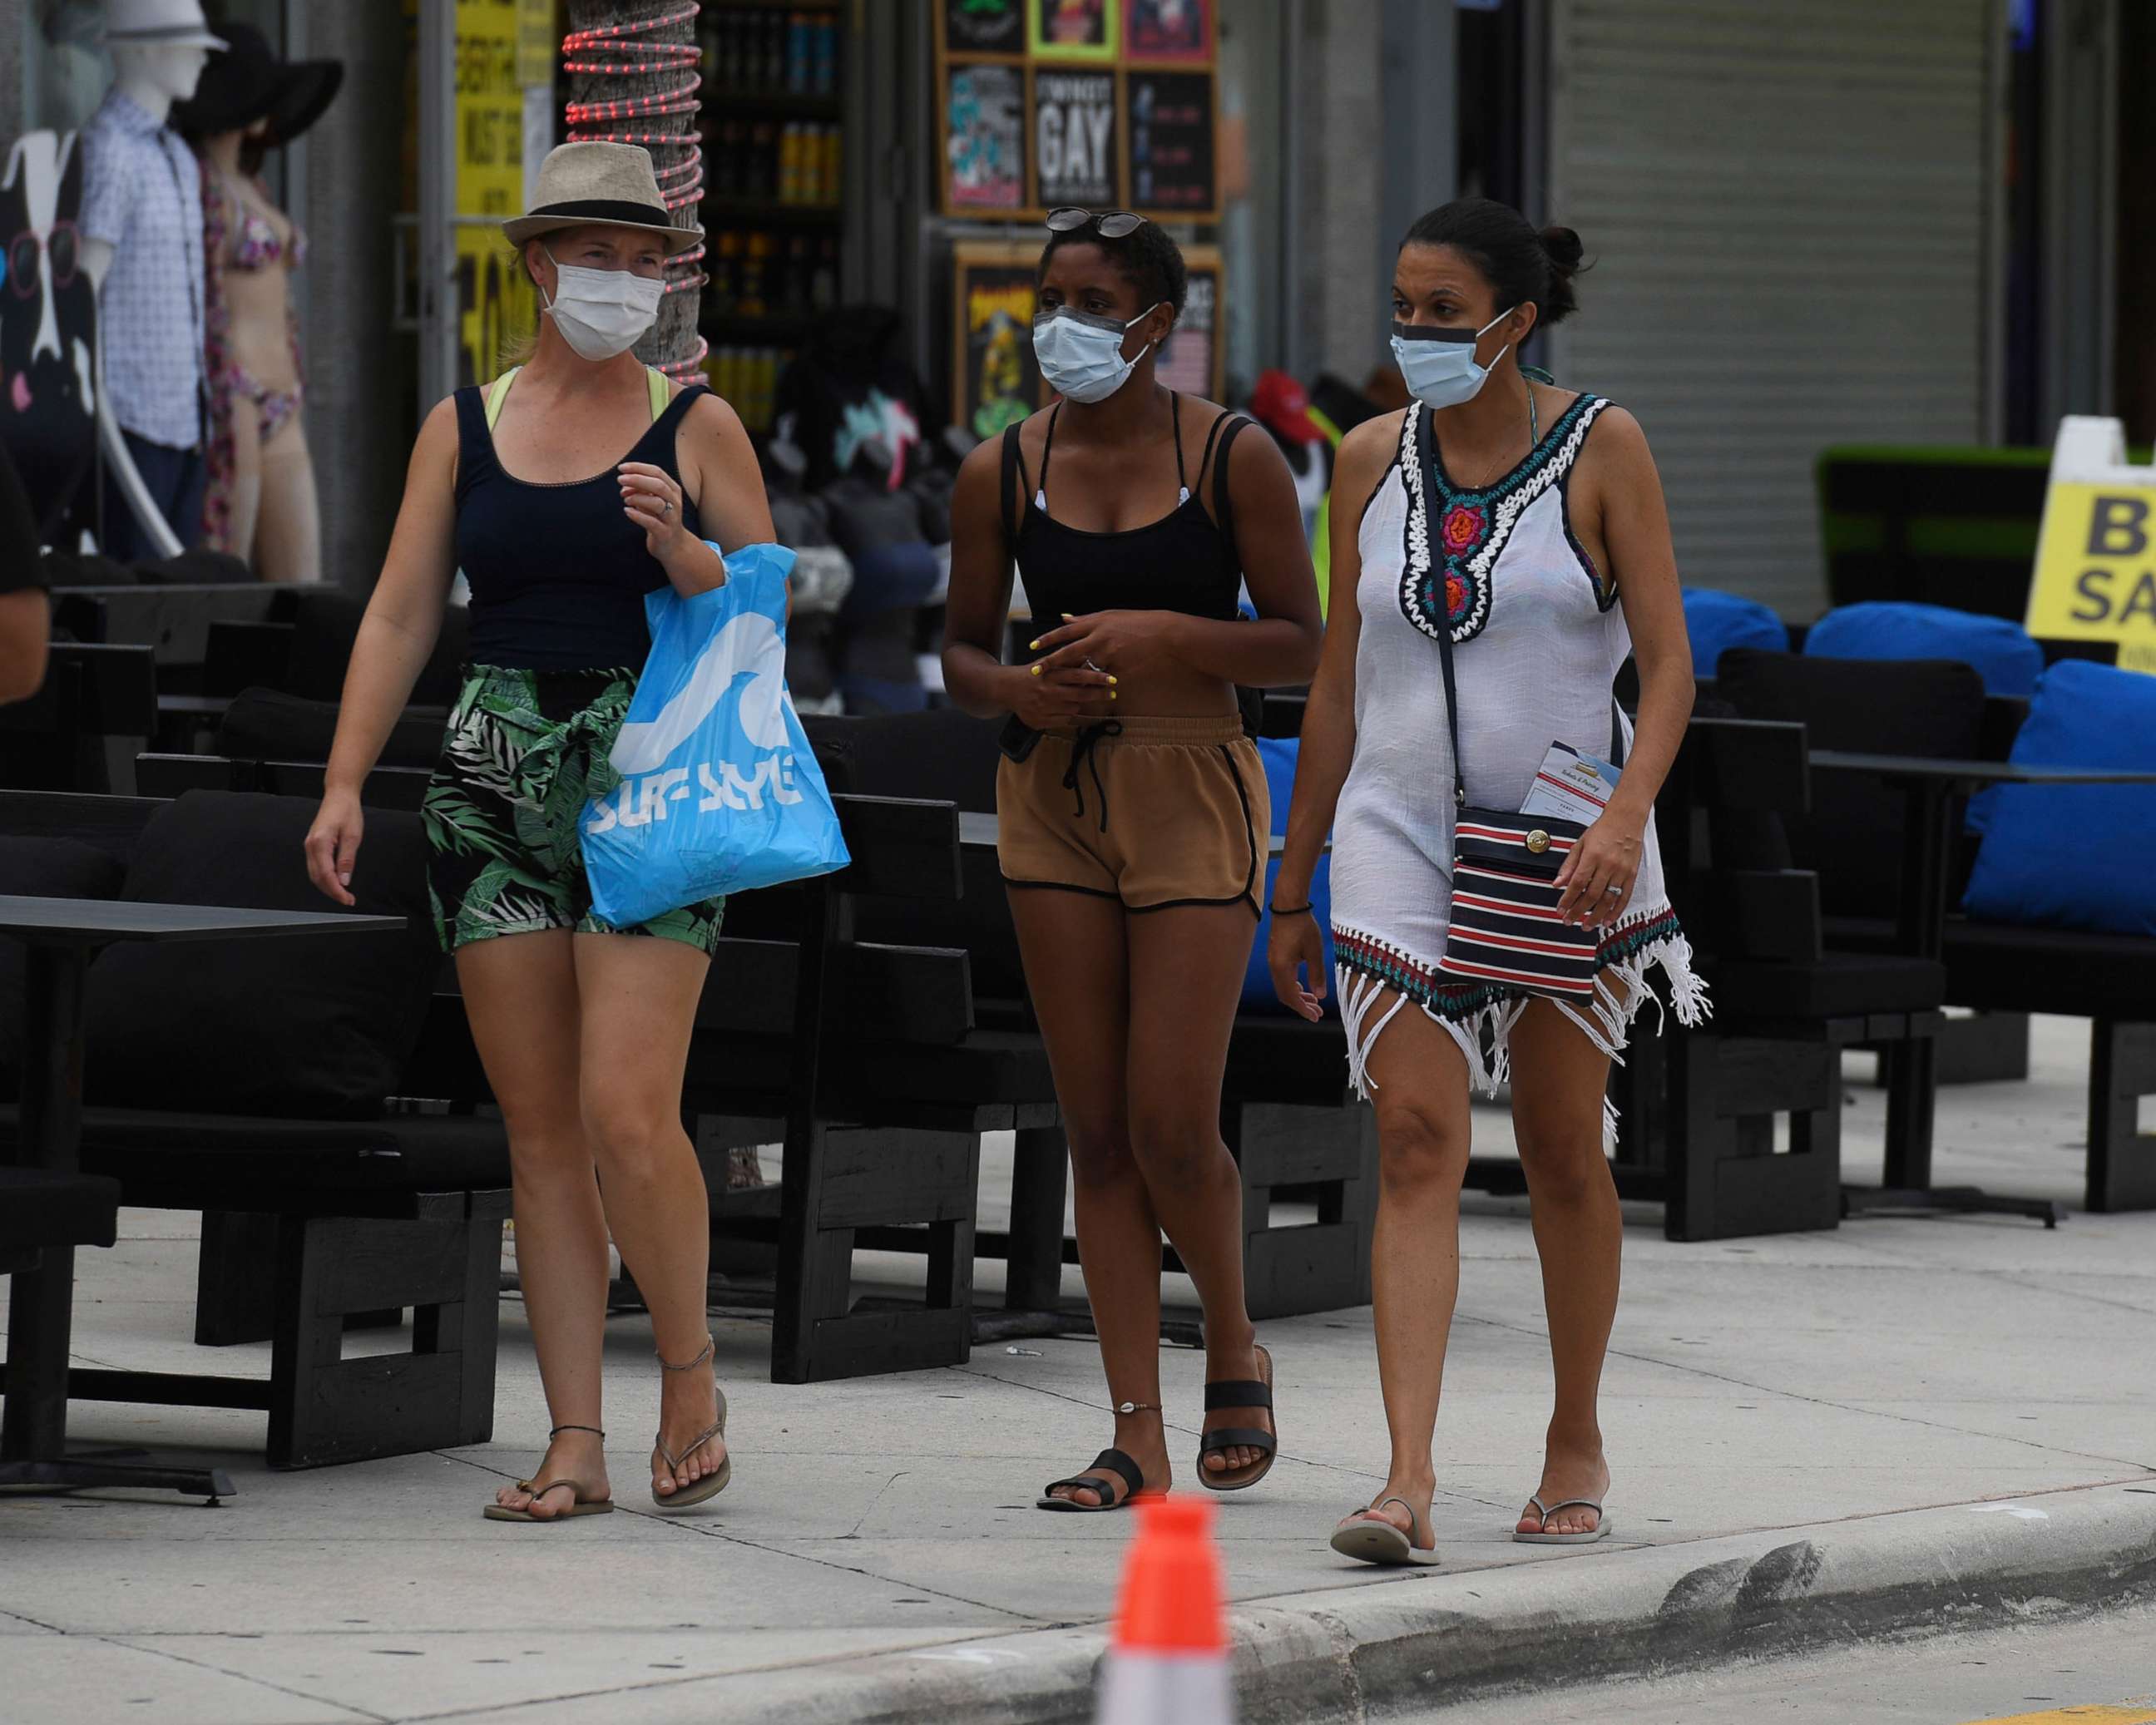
<point>258,244</point>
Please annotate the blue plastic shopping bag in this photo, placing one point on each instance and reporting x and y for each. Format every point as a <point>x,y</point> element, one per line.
<point>719,792</point>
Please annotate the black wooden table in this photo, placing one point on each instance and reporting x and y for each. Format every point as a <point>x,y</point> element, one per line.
<point>1933,791</point>
<point>61,935</point>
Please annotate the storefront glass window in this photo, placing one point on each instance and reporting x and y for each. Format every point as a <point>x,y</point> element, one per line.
<point>1251,167</point>
<point>64,70</point>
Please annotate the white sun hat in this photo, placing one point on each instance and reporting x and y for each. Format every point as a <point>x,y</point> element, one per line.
<point>158,23</point>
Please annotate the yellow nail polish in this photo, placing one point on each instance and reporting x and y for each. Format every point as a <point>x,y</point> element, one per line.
<point>1036,670</point>
<point>1111,695</point>
<point>1032,646</point>
<point>1112,682</point>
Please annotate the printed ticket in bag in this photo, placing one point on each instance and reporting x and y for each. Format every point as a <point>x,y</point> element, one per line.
<point>1571,786</point>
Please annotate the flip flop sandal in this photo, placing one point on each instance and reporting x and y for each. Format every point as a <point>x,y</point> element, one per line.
<point>1379,1542</point>
<point>1601,1530</point>
<point>1095,1479</point>
<point>1240,1393</point>
<point>580,1505</point>
<point>708,1487</point>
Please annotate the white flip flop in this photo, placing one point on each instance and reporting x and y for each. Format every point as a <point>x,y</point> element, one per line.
<point>1379,1542</point>
<point>1601,1530</point>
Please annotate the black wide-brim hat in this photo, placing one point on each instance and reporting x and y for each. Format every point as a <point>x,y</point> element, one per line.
<point>248,83</point>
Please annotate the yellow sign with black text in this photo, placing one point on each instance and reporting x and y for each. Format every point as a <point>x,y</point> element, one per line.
<point>2096,557</point>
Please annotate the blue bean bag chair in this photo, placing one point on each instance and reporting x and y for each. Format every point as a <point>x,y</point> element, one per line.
<point>2076,856</point>
<point>1718,621</point>
<point>1999,651</point>
<point>1278,755</point>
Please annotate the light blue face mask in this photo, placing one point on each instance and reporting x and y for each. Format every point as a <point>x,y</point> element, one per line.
<point>1082,355</point>
<point>1440,364</point>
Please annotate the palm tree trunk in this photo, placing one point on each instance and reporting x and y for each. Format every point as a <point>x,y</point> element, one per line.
<point>639,62</point>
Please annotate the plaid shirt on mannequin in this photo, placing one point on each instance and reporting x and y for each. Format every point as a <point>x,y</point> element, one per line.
<point>142,196</point>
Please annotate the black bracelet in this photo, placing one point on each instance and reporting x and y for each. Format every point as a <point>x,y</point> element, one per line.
<point>1289,910</point>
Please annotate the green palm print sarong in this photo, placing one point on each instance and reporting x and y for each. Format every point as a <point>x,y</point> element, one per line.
<point>525,751</point>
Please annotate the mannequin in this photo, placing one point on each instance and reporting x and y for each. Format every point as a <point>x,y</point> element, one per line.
<point>261,505</point>
<point>141,228</point>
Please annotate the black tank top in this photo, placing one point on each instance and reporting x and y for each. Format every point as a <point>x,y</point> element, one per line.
<point>1184,562</point>
<point>557,572</point>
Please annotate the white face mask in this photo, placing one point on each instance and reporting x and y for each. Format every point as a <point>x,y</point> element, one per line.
<point>602,312</point>
<point>1082,355</point>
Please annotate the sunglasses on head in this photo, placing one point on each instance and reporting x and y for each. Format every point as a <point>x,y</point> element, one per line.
<point>1109,224</point>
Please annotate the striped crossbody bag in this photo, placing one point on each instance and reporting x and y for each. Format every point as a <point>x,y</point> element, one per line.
<point>1505,927</point>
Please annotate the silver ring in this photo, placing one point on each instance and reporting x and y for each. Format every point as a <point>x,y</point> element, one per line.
<point>665,507</point>
<point>1608,890</point>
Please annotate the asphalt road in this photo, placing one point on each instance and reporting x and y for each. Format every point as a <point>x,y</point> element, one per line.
<point>2091,1672</point>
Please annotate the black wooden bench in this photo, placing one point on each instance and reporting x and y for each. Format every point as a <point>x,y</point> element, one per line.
<point>97,708</point>
<point>309,1222</point>
<point>2006,971</point>
<point>1698,1109</point>
<point>166,776</point>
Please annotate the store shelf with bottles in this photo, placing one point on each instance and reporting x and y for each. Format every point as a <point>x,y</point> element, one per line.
<point>796,170</point>
<point>771,54</point>
<point>745,378</point>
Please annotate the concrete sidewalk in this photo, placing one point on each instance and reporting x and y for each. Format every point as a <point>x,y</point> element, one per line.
<point>1802,1432</point>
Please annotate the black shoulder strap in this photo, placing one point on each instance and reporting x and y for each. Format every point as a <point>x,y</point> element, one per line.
<point>1426,457</point>
<point>1014,469</point>
<point>474,443</point>
<point>1226,430</point>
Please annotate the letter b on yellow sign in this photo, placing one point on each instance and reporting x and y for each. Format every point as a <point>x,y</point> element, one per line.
<point>2096,569</point>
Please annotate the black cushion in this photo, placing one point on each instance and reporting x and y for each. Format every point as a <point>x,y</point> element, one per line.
<point>268,724</point>
<point>2013,968</point>
<point>325,622</point>
<point>231,1158</point>
<point>1904,706</point>
<point>311,1025</point>
<point>39,1209</point>
<point>42,867</point>
<point>1841,985</point>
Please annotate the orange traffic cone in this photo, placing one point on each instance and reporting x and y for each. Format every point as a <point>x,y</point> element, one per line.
<point>1169,1664</point>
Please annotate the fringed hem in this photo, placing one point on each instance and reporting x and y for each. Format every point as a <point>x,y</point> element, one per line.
<point>1480,1019</point>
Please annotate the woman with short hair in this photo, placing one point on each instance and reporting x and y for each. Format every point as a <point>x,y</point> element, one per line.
<point>1132,819</point>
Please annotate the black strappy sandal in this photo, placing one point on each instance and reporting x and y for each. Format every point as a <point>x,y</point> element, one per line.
<point>1240,1393</point>
<point>1095,1479</point>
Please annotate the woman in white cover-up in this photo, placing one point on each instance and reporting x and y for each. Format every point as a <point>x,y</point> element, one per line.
<point>1536,534</point>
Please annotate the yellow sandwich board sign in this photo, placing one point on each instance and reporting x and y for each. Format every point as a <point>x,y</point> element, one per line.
<point>2096,557</point>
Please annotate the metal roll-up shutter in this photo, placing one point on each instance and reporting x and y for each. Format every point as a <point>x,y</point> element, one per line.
<point>1785,204</point>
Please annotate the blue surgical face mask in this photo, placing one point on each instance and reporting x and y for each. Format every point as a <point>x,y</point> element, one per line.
<point>1440,364</point>
<point>1082,355</point>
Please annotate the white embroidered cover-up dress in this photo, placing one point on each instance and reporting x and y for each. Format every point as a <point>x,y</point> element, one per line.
<point>1537,641</point>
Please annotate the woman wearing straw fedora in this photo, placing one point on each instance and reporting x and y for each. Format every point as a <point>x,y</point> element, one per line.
<point>261,505</point>
<point>584,1029</point>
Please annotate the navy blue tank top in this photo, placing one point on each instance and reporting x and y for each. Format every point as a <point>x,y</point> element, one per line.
<point>1185,561</point>
<point>557,572</point>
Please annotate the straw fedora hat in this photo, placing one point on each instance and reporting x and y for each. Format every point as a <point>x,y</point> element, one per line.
<point>158,23</point>
<point>607,184</point>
